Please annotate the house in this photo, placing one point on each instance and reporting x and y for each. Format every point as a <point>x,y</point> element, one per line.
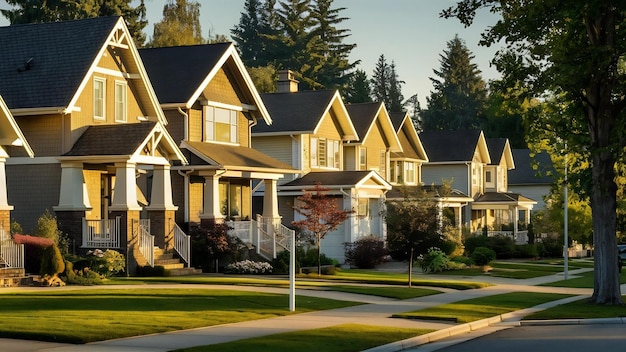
<point>211,105</point>
<point>11,254</point>
<point>405,167</point>
<point>533,175</point>
<point>313,132</point>
<point>80,94</point>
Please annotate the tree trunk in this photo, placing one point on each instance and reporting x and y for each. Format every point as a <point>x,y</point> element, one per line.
<point>606,284</point>
<point>411,269</point>
<point>319,256</point>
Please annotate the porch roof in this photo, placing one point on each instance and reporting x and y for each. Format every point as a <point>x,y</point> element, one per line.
<point>503,198</point>
<point>233,157</point>
<point>123,140</point>
<point>338,179</point>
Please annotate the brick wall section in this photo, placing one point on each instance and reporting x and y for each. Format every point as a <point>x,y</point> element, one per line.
<point>162,228</point>
<point>71,223</point>
<point>5,221</point>
<point>129,237</point>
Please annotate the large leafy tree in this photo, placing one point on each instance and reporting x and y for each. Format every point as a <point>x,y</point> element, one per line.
<point>459,96</point>
<point>36,11</point>
<point>321,215</point>
<point>571,51</point>
<point>180,25</point>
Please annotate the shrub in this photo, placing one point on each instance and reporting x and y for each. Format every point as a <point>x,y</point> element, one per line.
<point>157,270</point>
<point>308,257</point>
<point>526,251</point>
<point>249,267</point>
<point>435,260</point>
<point>504,246</point>
<point>366,252</point>
<point>550,248</point>
<point>107,263</point>
<point>483,256</point>
<point>81,277</point>
<point>463,260</point>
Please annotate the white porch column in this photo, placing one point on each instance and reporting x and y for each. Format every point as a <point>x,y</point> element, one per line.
<point>459,221</point>
<point>4,201</point>
<point>270,200</point>
<point>161,194</point>
<point>125,191</point>
<point>211,199</point>
<point>73,192</point>
<point>515,221</point>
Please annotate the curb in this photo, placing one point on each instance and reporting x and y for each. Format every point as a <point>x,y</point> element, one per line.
<point>573,321</point>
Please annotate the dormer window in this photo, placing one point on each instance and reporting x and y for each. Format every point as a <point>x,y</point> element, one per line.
<point>325,153</point>
<point>220,124</point>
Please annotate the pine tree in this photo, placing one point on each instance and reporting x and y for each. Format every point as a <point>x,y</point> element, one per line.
<point>246,33</point>
<point>394,97</point>
<point>458,101</point>
<point>358,89</point>
<point>180,25</point>
<point>38,11</point>
<point>386,85</point>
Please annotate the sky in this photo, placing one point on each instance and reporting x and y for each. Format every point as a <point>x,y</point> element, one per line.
<point>408,32</point>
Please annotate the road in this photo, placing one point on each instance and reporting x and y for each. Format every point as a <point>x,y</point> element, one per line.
<point>570,338</point>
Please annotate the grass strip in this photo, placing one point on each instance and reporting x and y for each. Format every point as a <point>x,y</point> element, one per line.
<point>339,338</point>
<point>386,291</point>
<point>483,307</point>
<point>580,309</point>
<point>583,280</point>
<point>80,316</point>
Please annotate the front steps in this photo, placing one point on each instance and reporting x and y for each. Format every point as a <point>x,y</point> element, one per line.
<point>11,277</point>
<point>174,266</point>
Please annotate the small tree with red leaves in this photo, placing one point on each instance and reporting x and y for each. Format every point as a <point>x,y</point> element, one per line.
<point>321,215</point>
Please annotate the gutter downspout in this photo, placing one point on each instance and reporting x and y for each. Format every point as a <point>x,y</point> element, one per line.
<point>185,124</point>
<point>251,124</point>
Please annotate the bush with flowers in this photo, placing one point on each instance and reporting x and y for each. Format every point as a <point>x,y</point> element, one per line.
<point>249,267</point>
<point>95,267</point>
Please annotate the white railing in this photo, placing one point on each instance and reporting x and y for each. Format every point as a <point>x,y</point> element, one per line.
<point>182,244</point>
<point>273,237</point>
<point>101,233</point>
<point>146,243</point>
<point>244,230</point>
<point>11,253</point>
<point>521,237</point>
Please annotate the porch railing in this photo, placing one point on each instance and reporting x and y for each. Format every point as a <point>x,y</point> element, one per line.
<point>101,233</point>
<point>244,230</point>
<point>146,243</point>
<point>182,244</point>
<point>11,253</point>
<point>273,237</point>
<point>521,237</point>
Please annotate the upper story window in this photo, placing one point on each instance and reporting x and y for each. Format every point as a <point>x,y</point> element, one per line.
<point>99,93</point>
<point>120,102</point>
<point>362,158</point>
<point>409,172</point>
<point>220,124</point>
<point>325,153</point>
<point>383,163</point>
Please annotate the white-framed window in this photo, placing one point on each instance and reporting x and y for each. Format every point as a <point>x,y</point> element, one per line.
<point>363,207</point>
<point>220,124</point>
<point>393,175</point>
<point>362,158</point>
<point>325,153</point>
<point>314,157</point>
<point>120,102</point>
<point>383,163</point>
<point>488,176</point>
<point>99,94</point>
<point>409,172</point>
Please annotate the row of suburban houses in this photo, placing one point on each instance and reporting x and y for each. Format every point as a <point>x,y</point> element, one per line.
<point>130,147</point>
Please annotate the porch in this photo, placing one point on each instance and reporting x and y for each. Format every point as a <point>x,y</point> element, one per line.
<point>268,235</point>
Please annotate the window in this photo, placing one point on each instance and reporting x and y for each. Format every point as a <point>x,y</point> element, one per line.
<point>383,163</point>
<point>325,153</point>
<point>363,207</point>
<point>220,124</point>
<point>409,172</point>
<point>362,158</point>
<point>393,174</point>
<point>99,90</point>
<point>488,176</point>
<point>120,101</point>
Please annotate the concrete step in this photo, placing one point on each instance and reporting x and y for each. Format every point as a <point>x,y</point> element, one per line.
<point>11,272</point>
<point>161,261</point>
<point>185,271</point>
<point>178,265</point>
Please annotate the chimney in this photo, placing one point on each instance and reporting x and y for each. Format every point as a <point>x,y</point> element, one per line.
<point>286,83</point>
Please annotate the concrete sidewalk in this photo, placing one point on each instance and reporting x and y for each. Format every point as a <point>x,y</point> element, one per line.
<point>375,311</point>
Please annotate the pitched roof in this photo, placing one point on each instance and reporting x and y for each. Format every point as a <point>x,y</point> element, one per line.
<point>498,197</point>
<point>118,139</point>
<point>531,168</point>
<point>335,179</point>
<point>298,112</point>
<point>10,132</point>
<point>397,118</point>
<point>363,116</point>
<point>177,72</point>
<point>236,157</point>
<point>42,65</point>
<point>447,146</point>
<point>500,148</point>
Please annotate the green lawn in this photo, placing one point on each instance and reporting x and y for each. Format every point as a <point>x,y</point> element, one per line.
<point>79,316</point>
<point>484,307</point>
<point>584,280</point>
<point>385,291</point>
<point>513,270</point>
<point>580,310</point>
<point>340,338</point>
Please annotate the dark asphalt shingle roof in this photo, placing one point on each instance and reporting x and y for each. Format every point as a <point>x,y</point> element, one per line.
<point>496,149</point>
<point>498,197</point>
<point>435,191</point>
<point>61,54</point>
<point>177,72</point>
<point>329,178</point>
<point>229,155</point>
<point>118,139</point>
<point>443,146</point>
<point>396,119</point>
<point>362,116</point>
<point>536,169</point>
<point>295,112</point>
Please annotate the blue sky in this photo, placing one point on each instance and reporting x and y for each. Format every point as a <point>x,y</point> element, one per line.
<point>408,32</point>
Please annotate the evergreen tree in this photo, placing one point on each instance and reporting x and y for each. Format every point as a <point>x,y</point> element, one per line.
<point>394,97</point>
<point>386,86</point>
<point>38,11</point>
<point>246,33</point>
<point>358,89</point>
<point>180,25</point>
<point>458,101</point>
<point>336,67</point>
